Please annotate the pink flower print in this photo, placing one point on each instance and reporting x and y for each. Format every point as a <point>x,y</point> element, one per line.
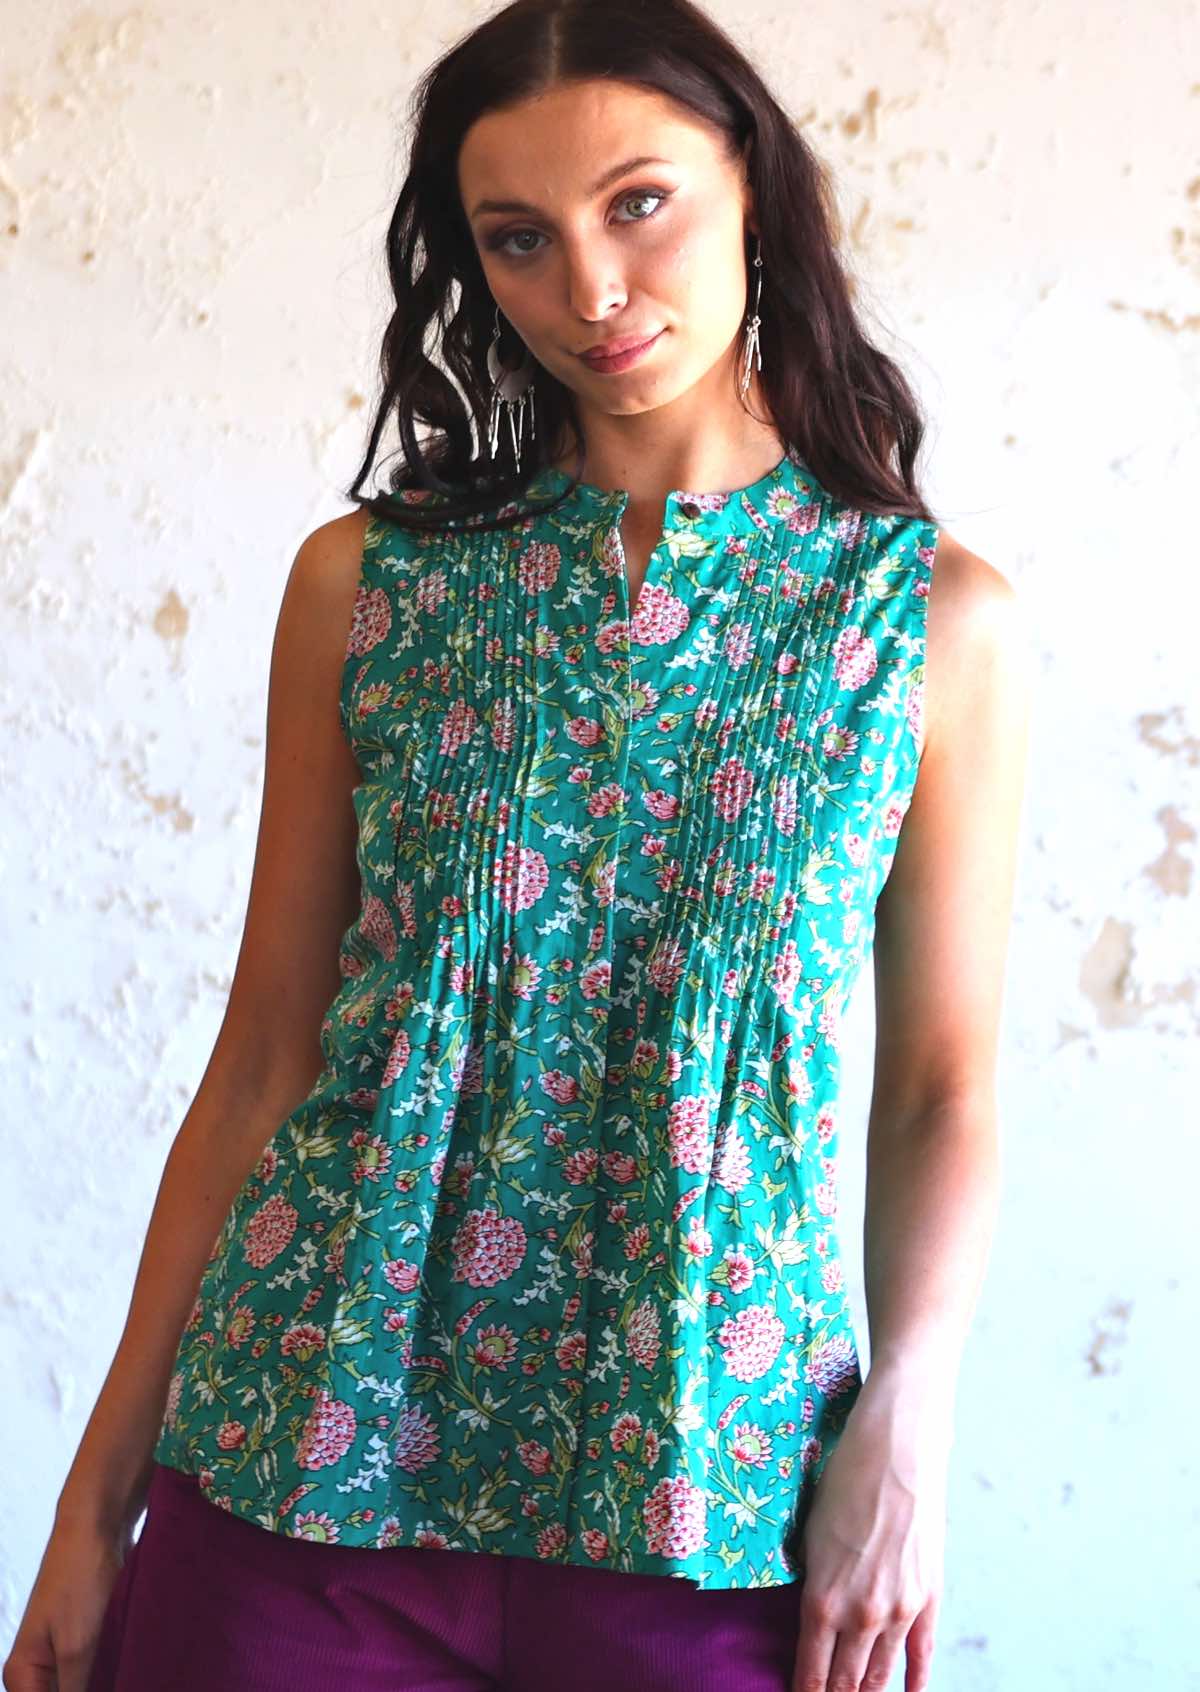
<point>401,1274</point>
<point>174,1393</point>
<point>738,646</point>
<point>265,1168</point>
<point>690,1133</point>
<point>625,1433</point>
<point>832,1365</point>
<point>538,566</point>
<point>751,1445</point>
<point>643,1334</point>
<point>732,1168</point>
<point>458,725</point>
<point>584,731</point>
<point>856,848</point>
<point>612,636</point>
<point>787,971</point>
<point>269,1231</point>
<point>785,808</point>
<point>488,1247</point>
<point>372,1156</point>
<point>558,1085</point>
<point>914,712</point>
<point>580,1168</point>
<point>607,799</point>
<point>571,1350</point>
<point>731,784</point>
<point>839,742</point>
<point>430,593</point>
<point>303,1341</point>
<point>660,616</point>
<point>545,642</point>
<point>231,1436</point>
<point>893,816</point>
<point>738,1268</point>
<point>643,700</point>
<point>851,527</point>
<point>798,1085</point>
<point>674,1518</point>
<point>240,1327</point>
<point>524,976</point>
<point>399,1053</point>
<point>832,1278</point>
<point>825,1198</point>
<point>698,1242</point>
<point>535,1456</point>
<point>521,875</point>
<point>751,1341</point>
<point>595,1544</point>
<point>316,1525</point>
<point>637,1242</point>
<point>415,1440</point>
<point>663,807</point>
<point>854,658</point>
<point>328,1432</point>
<point>405,903</point>
<point>494,1346</point>
<point>550,1542</point>
<point>596,978</point>
<point>504,721</point>
<point>604,889</point>
<point>787,664</point>
<point>370,622</point>
<point>620,1168</point>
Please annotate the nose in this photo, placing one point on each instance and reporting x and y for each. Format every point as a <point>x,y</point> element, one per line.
<point>595,287</point>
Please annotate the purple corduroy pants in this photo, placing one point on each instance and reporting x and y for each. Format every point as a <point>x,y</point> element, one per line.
<point>208,1602</point>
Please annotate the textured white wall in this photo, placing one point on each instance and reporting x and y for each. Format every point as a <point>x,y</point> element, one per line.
<point>192,200</point>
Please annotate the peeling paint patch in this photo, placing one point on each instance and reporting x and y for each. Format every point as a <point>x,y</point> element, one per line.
<point>162,804</point>
<point>1171,871</point>
<point>1160,318</point>
<point>1155,729</point>
<point>171,618</point>
<point>1110,1332</point>
<point>1105,974</point>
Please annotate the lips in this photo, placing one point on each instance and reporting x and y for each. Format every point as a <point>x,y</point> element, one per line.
<point>610,349</point>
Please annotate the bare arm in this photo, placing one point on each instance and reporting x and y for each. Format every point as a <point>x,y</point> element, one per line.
<point>304,893</point>
<point>941,940</point>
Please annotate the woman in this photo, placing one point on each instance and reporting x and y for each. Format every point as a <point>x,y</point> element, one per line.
<point>591,783</point>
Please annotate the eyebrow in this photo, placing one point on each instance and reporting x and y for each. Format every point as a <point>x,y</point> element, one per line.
<point>609,177</point>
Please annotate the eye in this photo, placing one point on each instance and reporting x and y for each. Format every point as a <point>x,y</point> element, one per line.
<point>499,243</point>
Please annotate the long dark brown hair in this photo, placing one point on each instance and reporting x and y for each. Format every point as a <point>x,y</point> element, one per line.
<point>840,404</point>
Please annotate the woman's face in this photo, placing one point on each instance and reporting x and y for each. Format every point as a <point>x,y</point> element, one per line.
<point>573,260</point>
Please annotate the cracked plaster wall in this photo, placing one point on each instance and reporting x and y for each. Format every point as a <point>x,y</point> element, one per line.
<point>192,200</point>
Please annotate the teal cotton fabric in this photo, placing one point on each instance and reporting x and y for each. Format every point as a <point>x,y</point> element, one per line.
<point>546,1264</point>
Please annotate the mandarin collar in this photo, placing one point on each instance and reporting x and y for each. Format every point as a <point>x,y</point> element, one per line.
<point>700,508</point>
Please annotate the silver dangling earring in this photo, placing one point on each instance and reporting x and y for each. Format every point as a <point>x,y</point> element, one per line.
<point>512,390</point>
<point>752,349</point>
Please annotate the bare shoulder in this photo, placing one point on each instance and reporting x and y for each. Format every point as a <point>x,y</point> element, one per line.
<point>977,638</point>
<point>330,556</point>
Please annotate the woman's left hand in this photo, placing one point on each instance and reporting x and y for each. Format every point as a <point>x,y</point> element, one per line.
<point>874,1544</point>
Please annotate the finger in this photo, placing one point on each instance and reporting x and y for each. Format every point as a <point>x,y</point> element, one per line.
<point>854,1646</point>
<point>29,1676</point>
<point>882,1661</point>
<point>919,1647</point>
<point>815,1646</point>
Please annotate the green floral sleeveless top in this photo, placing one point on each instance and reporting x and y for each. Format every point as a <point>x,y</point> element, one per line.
<point>546,1264</point>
